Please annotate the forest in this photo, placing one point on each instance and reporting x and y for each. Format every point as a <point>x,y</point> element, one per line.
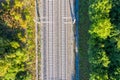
<point>17,44</point>
<point>104,41</point>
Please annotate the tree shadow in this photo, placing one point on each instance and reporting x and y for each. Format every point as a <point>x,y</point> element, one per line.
<point>115,13</point>
<point>12,2</point>
<point>7,35</point>
<point>10,33</point>
<point>22,75</point>
<point>111,43</point>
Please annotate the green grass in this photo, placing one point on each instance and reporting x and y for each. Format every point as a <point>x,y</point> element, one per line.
<point>84,24</point>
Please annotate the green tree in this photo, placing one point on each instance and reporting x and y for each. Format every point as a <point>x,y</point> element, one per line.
<point>104,51</point>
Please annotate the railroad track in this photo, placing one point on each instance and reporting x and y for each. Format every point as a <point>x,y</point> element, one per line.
<point>56,41</point>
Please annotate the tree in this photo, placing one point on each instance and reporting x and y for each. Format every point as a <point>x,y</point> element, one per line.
<point>104,52</point>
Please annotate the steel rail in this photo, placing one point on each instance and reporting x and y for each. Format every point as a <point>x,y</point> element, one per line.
<point>55,66</point>
<point>36,41</point>
<point>58,40</point>
<point>48,42</point>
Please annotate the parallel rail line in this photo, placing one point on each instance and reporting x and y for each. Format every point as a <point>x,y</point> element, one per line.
<point>56,41</point>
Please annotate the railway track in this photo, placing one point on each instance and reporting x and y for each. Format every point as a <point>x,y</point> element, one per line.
<point>57,55</point>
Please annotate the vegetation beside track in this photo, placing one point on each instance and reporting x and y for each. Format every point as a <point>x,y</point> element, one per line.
<point>17,44</point>
<point>84,24</point>
<point>104,43</point>
<point>99,34</point>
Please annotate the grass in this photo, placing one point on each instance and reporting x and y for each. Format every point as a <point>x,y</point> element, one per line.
<point>31,38</point>
<point>84,24</point>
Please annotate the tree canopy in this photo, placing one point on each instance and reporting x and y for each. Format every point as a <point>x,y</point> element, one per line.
<point>16,54</point>
<point>104,44</point>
